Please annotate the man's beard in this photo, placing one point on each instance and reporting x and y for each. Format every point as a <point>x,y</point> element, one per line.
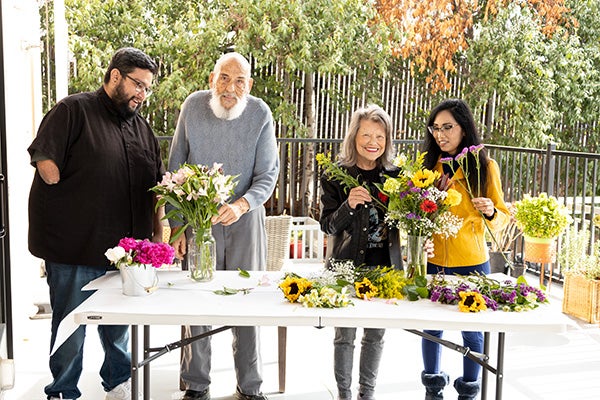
<point>223,113</point>
<point>121,101</point>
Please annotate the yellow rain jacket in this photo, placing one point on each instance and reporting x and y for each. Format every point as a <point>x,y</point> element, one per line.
<point>469,246</point>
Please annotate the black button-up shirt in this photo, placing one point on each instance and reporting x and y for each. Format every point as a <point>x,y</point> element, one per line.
<point>107,165</point>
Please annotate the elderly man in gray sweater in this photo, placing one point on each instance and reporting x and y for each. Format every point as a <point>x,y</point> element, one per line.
<point>227,125</point>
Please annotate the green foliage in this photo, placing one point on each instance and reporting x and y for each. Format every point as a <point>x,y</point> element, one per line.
<point>540,82</point>
<point>573,255</point>
<point>541,216</point>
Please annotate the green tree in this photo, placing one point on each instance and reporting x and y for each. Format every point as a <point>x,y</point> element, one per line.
<point>300,38</point>
<point>539,83</point>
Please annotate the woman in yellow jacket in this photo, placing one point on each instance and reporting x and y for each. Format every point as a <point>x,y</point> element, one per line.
<point>450,129</point>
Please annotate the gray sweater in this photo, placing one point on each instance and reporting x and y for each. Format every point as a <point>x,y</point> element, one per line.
<point>246,146</point>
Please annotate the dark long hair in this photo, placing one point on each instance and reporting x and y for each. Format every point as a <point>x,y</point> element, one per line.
<point>464,117</point>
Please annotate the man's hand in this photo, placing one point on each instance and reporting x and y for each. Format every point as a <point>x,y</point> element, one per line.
<point>179,244</point>
<point>230,213</point>
<point>48,170</point>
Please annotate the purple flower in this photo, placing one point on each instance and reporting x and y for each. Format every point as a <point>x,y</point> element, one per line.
<point>462,154</point>
<point>447,160</point>
<point>475,149</point>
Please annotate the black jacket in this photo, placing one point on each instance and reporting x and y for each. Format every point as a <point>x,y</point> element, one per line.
<point>347,228</point>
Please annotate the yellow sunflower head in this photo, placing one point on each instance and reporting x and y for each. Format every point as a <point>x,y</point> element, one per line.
<point>293,287</point>
<point>365,289</point>
<point>424,178</point>
<point>471,302</point>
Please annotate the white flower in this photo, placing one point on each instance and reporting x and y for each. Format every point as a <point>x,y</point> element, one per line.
<point>115,254</point>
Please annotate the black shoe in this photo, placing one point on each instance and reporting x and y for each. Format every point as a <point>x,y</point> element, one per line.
<point>241,396</point>
<point>196,395</point>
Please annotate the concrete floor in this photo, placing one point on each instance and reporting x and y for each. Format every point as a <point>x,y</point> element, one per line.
<point>537,367</point>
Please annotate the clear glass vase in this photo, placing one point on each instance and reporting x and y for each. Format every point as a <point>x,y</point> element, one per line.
<point>201,255</point>
<point>416,256</point>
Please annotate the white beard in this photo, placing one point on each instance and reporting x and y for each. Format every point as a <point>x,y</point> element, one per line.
<point>223,113</point>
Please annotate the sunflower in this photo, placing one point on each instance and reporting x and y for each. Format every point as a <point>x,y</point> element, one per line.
<point>294,286</point>
<point>365,289</point>
<point>424,178</point>
<point>471,302</point>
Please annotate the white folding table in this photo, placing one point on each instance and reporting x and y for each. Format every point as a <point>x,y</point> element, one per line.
<point>180,301</point>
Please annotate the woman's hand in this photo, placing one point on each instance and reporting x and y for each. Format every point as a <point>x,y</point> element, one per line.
<point>428,247</point>
<point>358,195</point>
<point>484,205</point>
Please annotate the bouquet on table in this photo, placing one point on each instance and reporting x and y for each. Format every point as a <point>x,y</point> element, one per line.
<point>132,252</point>
<point>478,292</point>
<point>138,260</point>
<point>333,287</point>
<point>420,199</point>
<point>193,195</point>
<point>419,204</point>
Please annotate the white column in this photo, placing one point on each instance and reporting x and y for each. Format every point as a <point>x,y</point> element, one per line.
<point>61,50</point>
<point>23,104</point>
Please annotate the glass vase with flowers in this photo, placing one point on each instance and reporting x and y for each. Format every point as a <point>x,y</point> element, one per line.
<point>193,195</point>
<point>419,204</point>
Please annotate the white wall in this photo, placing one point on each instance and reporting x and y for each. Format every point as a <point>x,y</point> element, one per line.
<point>21,33</point>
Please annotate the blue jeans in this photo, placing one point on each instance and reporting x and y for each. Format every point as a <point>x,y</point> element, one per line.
<point>432,352</point>
<point>343,358</point>
<point>65,283</point>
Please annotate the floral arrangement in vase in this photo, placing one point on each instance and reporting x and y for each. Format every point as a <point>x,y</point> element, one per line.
<point>419,203</point>
<point>137,261</point>
<point>135,252</point>
<point>420,199</point>
<point>192,196</point>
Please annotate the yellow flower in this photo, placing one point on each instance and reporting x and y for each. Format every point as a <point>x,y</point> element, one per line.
<point>391,185</point>
<point>597,220</point>
<point>454,198</point>
<point>365,289</point>
<point>400,160</point>
<point>471,302</point>
<point>293,287</point>
<point>424,178</point>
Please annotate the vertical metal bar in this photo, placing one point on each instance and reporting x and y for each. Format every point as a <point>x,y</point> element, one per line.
<point>134,362</point>
<point>550,168</point>
<point>146,366</point>
<point>484,372</point>
<point>500,365</point>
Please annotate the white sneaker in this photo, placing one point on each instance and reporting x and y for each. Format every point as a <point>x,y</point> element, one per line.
<point>121,392</point>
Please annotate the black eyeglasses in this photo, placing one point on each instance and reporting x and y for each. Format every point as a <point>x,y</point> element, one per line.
<point>443,129</point>
<point>139,86</point>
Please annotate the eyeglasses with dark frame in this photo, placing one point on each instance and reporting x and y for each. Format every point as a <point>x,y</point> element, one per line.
<point>443,129</point>
<point>139,86</point>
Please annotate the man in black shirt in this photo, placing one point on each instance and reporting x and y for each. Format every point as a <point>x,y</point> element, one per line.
<point>96,159</point>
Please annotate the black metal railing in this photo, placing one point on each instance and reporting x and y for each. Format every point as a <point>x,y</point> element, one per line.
<point>570,176</point>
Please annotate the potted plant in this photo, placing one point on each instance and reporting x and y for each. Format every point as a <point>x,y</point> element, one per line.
<point>541,219</point>
<point>581,271</point>
<point>500,245</point>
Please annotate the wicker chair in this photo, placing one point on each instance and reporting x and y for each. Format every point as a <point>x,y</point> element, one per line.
<point>278,248</point>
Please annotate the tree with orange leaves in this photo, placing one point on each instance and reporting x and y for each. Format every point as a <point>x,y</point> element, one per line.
<point>436,31</point>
